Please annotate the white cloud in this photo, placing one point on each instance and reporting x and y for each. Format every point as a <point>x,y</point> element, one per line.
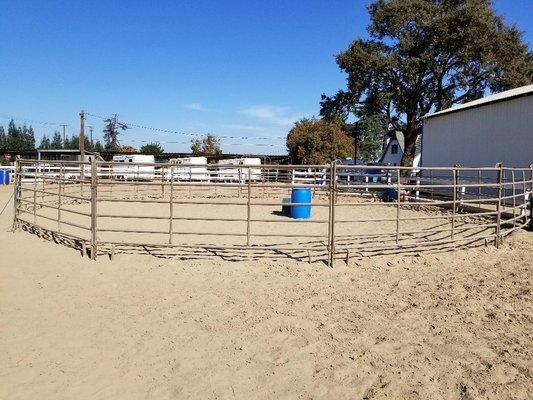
<point>194,106</point>
<point>275,115</point>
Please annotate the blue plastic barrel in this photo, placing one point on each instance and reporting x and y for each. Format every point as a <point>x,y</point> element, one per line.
<point>301,195</point>
<point>4,177</point>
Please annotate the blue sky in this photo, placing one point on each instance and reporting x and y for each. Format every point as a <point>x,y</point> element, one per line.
<point>234,68</point>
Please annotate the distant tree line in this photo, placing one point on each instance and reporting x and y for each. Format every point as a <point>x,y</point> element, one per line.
<point>22,138</point>
<point>72,143</point>
<point>17,138</point>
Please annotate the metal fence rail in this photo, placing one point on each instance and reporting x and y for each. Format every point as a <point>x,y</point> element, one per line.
<point>357,210</point>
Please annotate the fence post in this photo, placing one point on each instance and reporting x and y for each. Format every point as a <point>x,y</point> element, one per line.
<point>328,246</point>
<point>240,182</point>
<point>16,193</point>
<point>531,199</point>
<point>190,182</point>
<point>163,181</point>
<point>398,190</point>
<point>248,206</point>
<point>454,204</point>
<point>499,205</point>
<point>94,202</point>
<point>171,206</point>
<point>42,184</point>
<point>59,196</point>
<point>35,194</point>
<point>513,191</point>
<point>330,214</point>
<point>333,174</point>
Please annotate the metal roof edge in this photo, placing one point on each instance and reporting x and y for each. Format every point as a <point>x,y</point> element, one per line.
<point>477,103</point>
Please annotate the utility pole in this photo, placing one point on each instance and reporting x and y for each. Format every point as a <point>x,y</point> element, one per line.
<point>81,143</point>
<point>91,135</point>
<point>64,137</point>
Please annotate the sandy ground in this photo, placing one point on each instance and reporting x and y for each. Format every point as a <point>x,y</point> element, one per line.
<point>454,325</point>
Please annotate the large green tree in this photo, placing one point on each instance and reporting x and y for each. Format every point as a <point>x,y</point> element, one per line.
<point>426,55</point>
<point>316,141</point>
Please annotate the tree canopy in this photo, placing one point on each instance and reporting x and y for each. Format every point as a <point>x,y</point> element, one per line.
<point>314,141</point>
<point>152,148</point>
<point>209,145</point>
<point>57,142</point>
<point>126,148</point>
<point>426,55</point>
<point>111,131</point>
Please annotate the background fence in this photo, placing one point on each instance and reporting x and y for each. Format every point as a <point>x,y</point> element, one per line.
<point>202,210</point>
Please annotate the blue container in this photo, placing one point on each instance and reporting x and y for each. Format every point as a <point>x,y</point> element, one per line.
<point>285,208</point>
<point>301,195</point>
<point>4,177</point>
<point>389,195</point>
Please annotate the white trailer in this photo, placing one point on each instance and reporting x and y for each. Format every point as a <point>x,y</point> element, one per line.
<point>188,169</point>
<point>129,167</point>
<point>229,170</point>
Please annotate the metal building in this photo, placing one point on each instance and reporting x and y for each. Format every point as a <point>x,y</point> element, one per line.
<point>496,128</point>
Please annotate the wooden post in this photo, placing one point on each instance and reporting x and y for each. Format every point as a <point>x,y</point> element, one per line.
<point>171,206</point>
<point>94,202</point>
<point>81,145</point>
<point>398,189</point>
<point>248,206</point>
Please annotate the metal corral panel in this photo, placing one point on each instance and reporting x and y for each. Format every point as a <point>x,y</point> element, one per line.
<point>481,136</point>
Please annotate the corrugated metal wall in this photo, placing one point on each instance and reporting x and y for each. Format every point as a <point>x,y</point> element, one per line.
<point>483,136</point>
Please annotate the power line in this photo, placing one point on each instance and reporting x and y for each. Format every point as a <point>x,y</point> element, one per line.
<point>151,128</point>
<point>145,127</point>
<point>33,121</point>
<point>228,144</point>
